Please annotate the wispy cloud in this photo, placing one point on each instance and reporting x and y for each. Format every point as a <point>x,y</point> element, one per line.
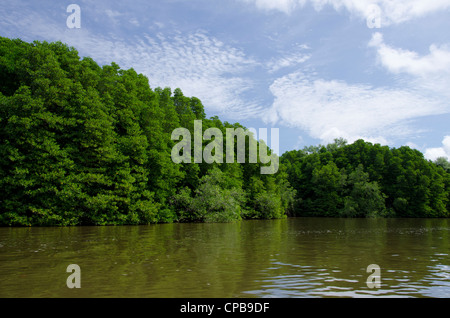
<point>331,109</point>
<point>429,73</point>
<point>199,64</point>
<point>112,14</point>
<point>289,60</point>
<point>392,12</point>
<point>285,6</point>
<point>234,78</point>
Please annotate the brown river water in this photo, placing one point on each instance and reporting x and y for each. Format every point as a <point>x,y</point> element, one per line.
<point>295,257</point>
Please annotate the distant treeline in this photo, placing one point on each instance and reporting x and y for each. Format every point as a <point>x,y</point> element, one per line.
<point>83,144</point>
<point>366,180</point>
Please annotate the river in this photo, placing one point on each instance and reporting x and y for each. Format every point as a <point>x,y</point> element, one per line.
<point>295,257</point>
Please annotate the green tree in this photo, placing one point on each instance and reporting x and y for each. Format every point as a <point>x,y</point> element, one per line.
<point>443,162</point>
<point>327,185</point>
<point>365,198</point>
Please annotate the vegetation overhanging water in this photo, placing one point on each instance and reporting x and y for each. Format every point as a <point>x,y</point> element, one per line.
<point>83,144</point>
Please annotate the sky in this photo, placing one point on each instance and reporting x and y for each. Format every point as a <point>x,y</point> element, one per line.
<point>316,70</point>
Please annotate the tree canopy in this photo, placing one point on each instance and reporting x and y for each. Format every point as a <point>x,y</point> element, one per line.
<point>84,144</point>
<point>367,180</point>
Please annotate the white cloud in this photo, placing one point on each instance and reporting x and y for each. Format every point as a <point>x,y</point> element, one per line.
<point>444,151</point>
<point>198,63</point>
<point>160,25</point>
<point>112,14</point>
<point>412,145</point>
<point>392,12</point>
<point>404,61</point>
<point>201,66</point>
<point>134,21</point>
<point>332,109</point>
<point>285,6</point>
<point>288,60</point>
<point>430,73</point>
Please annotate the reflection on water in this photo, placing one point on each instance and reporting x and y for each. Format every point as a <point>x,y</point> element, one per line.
<point>302,257</point>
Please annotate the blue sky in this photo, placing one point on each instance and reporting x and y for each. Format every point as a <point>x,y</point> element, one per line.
<point>315,69</point>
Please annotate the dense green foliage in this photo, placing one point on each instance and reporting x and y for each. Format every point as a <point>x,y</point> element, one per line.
<point>83,144</point>
<point>366,180</point>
